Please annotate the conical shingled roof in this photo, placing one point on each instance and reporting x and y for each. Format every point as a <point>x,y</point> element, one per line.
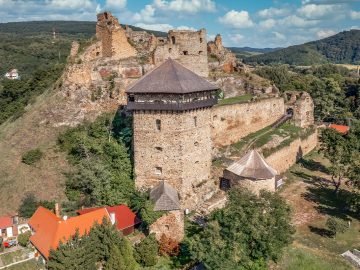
<point>170,78</point>
<point>165,197</point>
<point>252,166</point>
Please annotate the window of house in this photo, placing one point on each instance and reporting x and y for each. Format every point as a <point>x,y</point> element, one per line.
<point>158,124</point>
<point>173,40</point>
<point>158,170</point>
<point>185,52</point>
<point>195,121</point>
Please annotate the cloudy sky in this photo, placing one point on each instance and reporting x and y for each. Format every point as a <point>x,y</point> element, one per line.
<point>255,23</point>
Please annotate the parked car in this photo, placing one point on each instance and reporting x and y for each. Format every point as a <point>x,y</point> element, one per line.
<point>10,242</point>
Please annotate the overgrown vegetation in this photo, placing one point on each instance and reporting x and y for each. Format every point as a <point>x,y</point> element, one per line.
<point>335,90</point>
<point>32,156</point>
<point>246,234</point>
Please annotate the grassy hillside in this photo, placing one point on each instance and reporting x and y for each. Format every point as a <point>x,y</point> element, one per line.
<point>342,48</point>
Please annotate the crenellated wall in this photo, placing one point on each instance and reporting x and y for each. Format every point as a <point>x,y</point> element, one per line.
<point>284,158</point>
<point>230,123</point>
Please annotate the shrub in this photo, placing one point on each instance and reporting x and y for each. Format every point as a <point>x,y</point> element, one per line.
<point>168,246</point>
<point>28,206</point>
<point>23,238</point>
<point>32,156</point>
<point>336,225</point>
<point>146,252</point>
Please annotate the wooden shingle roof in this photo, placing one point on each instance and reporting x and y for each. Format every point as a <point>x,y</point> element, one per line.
<point>252,166</point>
<point>165,197</point>
<point>170,78</point>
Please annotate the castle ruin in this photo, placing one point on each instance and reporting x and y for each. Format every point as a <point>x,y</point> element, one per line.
<point>301,106</point>
<point>113,37</point>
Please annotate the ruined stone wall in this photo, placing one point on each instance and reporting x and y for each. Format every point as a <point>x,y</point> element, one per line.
<point>283,159</point>
<point>171,224</point>
<point>253,185</point>
<point>230,123</point>
<point>180,152</point>
<point>187,47</point>
<point>302,107</point>
<point>113,37</point>
<point>226,59</point>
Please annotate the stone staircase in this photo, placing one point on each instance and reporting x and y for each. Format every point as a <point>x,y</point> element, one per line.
<point>353,257</point>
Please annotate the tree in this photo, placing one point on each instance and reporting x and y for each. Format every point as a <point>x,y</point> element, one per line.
<point>335,226</point>
<point>116,261</point>
<point>23,238</point>
<point>245,234</point>
<point>146,252</point>
<point>28,206</point>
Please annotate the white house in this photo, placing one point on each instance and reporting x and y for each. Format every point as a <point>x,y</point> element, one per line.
<point>12,75</point>
<point>8,226</point>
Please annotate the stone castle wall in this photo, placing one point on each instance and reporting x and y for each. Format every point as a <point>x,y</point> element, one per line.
<point>230,123</point>
<point>113,37</point>
<point>302,106</point>
<point>179,153</point>
<point>171,224</point>
<point>283,159</point>
<point>187,47</point>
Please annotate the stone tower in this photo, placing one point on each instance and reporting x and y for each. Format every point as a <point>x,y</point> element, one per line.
<point>187,47</point>
<point>113,37</point>
<point>301,106</point>
<point>171,124</point>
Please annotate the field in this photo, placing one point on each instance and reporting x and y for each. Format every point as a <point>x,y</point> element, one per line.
<point>312,199</point>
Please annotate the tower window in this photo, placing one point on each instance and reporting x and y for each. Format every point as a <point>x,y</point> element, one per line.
<point>173,40</point>
<point>131,98</point>
<point>158,124</point>
<point>196,143</point>
<point>195,121</point>
<point>200,52</point>
<point>185,52</point>
<point>158,170</point>
<point>169,50</point>
<point>201,40</point>
<point>158,148</point>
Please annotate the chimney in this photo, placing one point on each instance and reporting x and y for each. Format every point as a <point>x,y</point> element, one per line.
<point>112,218</point>
<point>57,209</point>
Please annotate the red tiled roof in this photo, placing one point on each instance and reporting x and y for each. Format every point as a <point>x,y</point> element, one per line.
<point>340,128</point>
<point>124,217</point>
<point>50,229</point>
<point>5,222</point>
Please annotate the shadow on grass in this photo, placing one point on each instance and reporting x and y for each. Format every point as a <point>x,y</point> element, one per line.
<point>313,165</point>
<point>320,231</point>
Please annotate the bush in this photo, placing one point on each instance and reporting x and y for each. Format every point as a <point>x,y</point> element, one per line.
<point>169,246</point>
<point>336,225</point>
<point>29,204</point>
<point>32,156</point>
<point>24,238</point>
<point>146,252</point>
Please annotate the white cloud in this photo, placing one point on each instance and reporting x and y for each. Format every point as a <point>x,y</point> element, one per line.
<point>145,15</point>
<point>164,27</point>
<point>184,27</point>
<point>296,21</point>
<point>187,6</point>
<point>325,33</point>
<point>237,19</point>
<point>267,24</point>
<point>273,12</point>
<point>115,4</point>
<point>313,11</point>
<point>355,15</point>
<point>68,4</point>
<point>279,35</point>
<point>236,38</point>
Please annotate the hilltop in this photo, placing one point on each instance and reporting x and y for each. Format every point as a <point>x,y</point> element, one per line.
<point>342,48</point>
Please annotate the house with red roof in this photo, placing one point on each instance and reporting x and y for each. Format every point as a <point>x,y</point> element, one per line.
<point>49,229</point>
<point>8,226</point>
<point>340,128</point>
<point>124,219</point>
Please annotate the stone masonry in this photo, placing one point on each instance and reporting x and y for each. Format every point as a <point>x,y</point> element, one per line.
<point>187,47</point>
<point>181,148</point>
<point>113,37</point>
<point>301,105</point>
<point>226,59</point>
<point>171,224</point>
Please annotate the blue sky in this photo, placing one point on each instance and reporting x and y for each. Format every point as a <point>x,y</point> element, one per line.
<point>254,23</point>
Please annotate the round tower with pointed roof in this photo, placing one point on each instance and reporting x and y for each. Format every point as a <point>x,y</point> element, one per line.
<point>171,124</point>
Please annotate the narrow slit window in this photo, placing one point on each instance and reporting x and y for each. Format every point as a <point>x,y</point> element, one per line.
<point>158,170</point>
<point>195,121</point>
<point>158,124</point>
<point>185,52</point>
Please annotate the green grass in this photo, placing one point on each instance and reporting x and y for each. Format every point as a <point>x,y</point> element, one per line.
<point>300,259</point>
<point>28,265</point>
<point>235,100</point>
<point>12,257</point>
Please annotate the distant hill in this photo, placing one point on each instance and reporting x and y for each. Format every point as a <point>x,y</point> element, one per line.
<point>243,52</point>
<point>342,48</point>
